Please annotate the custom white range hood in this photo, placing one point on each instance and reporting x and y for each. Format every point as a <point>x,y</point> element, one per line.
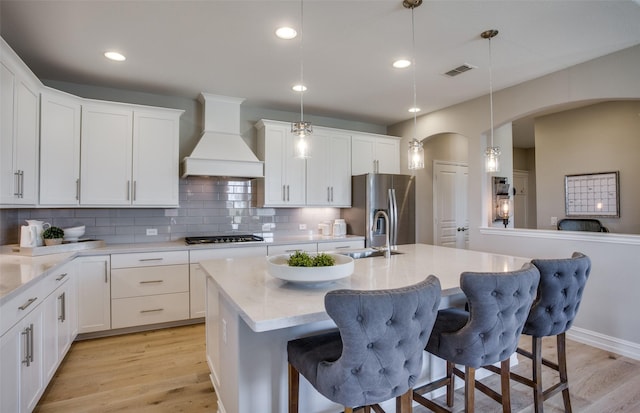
<point>221,151</point>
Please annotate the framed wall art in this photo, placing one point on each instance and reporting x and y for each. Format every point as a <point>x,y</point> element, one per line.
<point>592,195</point>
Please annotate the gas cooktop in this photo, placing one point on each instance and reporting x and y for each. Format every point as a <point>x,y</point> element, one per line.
<point>223,239</point>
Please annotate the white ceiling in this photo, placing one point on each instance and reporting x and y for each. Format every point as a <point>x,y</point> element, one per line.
<point>229,47</point>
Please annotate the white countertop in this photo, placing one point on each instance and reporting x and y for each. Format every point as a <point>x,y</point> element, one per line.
<point>266,303</point>
<point>17,271</point>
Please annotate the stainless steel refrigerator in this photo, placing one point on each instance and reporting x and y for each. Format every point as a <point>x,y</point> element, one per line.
<point>393,194</point>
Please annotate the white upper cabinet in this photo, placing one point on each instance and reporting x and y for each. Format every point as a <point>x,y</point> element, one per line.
<point>59,148</point>
<point>107,137</point>
<point>329,169</point>
<point>284,173</point>
<point>19,129</point>
<point>155,157</point>
<point>374,154</point>
<point>129,155</point>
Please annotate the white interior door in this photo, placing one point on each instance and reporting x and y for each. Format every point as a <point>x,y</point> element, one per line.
<point>451,223</point>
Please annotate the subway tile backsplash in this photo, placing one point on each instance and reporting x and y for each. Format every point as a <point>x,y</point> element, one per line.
<point>207,206</point>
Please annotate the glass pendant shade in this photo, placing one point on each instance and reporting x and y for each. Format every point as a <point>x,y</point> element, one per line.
<point>492,159</point>
<point>416,155</point>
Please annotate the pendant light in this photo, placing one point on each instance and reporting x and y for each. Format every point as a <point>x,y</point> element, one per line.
<point>492,154</point>
<point>416,151</point>
<point>301,129</point>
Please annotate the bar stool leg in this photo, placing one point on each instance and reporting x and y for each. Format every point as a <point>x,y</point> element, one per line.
<point>450,383</point>
<point>538,394</point>
<point>562,369</point>
<point>469,389</point>
<point>404,402</point>
<point>294,388</point>
<point>505,367</point>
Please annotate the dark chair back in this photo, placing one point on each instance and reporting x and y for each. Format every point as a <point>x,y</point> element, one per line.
<point>581,224</point>
<point>562,283</point>
<point>383,333</point>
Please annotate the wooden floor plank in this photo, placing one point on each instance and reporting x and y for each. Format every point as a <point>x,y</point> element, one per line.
<point>166,371</point>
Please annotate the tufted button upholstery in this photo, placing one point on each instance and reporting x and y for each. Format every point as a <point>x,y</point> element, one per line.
<point>498,304</point>
<point>377,353</point>
<point>562,282</point>
<point>486,334</point>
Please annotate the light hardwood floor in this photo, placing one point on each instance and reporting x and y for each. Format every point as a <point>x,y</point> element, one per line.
<point>166,371</point>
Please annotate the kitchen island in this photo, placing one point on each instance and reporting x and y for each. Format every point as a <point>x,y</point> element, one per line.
<point>251,316</point>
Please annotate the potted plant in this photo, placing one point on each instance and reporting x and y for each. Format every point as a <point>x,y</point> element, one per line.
<point>53,236</point>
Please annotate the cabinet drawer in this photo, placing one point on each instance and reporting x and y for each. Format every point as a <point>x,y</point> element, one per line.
<point>136,311</point>
<point>22,304</point>
<point>135,282</point>
<point>340,245</point>
<point>147,259</point>
<point>291,248</point>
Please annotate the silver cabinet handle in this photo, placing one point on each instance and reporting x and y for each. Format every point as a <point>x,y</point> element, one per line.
<point>288,199</point>
<point>152,282</point>
<point>77,189</point>
<point>150,259</point>
<point>28,303</point>
<point>331,194</point>
<point>16,183</point>
<point>106,276</point>
<point>21,187</point>
<point>151,311</point>
<point>328,194</point>
<point>28,345</point>
<point>62,298</point>
<point>25,333</point>
<point>134,189</point>
<point>284,198</point>
<point>343,247</point>
<point>61,276</point>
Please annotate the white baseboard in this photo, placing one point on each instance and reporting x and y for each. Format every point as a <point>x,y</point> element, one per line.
<point>607,343</point>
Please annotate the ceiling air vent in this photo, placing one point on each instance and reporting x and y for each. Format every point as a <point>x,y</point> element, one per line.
<point>459,70</point>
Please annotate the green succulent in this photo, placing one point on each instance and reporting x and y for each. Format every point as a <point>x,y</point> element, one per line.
<point>52,233</point>
<point>302,259</point>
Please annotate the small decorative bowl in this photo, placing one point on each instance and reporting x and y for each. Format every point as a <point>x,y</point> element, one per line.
<point>73,234</point>
<point>279,268</point>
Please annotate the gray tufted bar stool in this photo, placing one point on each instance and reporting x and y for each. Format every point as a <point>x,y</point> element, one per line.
<point>488,333</point>
<point>562,283</point>
<point>376,354</point>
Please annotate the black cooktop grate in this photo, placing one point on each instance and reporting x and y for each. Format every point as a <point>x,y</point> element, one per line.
<point>222,239</point>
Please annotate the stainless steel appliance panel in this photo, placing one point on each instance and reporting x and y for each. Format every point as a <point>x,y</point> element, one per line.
<point>393,194</point>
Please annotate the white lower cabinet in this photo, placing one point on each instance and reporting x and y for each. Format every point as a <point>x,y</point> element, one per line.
<point>60,319</point>
<point>149,288</point>
<point>94,293</point>
<point>197,275</point>
<point>204,300</point>
<point>21,368</point>
<point>32,348</point>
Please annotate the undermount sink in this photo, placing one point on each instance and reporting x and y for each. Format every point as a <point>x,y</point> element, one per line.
<point>367,253</point>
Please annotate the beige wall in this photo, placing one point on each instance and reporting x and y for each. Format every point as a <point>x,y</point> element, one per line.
<point>604,137</point>
<point>610,77</point>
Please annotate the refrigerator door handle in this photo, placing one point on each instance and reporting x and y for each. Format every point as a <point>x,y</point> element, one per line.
<point>393,217</point>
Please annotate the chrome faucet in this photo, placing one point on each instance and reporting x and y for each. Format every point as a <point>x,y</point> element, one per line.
<point>387,252</point>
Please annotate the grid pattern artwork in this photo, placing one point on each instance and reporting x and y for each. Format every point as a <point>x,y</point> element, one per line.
<point>593,195</point>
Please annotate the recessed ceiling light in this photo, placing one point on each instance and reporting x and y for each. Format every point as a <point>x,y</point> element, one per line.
<point>286,33</point>
<point>401,63</point>
<point>115,56</point>
<point>299,88</point>
<point>414,110</point>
